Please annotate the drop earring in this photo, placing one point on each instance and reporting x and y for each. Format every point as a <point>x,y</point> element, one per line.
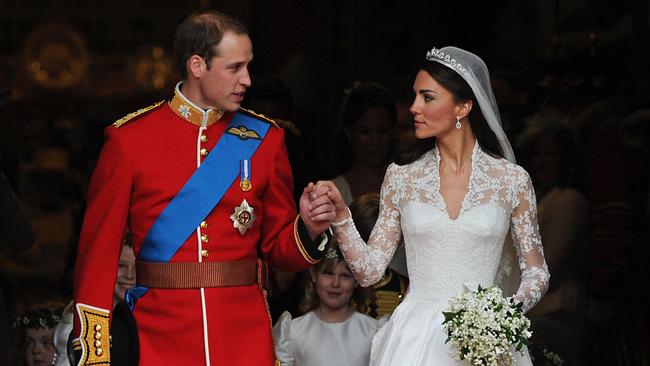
<point>458,125</point>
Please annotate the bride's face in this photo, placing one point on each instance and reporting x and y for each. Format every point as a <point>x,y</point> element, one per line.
<point>335,286</point>
<point>434,109</point>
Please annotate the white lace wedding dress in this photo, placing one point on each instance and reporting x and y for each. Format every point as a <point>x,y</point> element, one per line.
<point>445,255</point>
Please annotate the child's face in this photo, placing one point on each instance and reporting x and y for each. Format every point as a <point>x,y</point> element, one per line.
<point>335,286</point>
<point>125,273</point>
<point>39,346</point>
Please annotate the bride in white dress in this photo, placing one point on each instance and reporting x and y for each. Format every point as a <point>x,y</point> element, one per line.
<point>454,201</point>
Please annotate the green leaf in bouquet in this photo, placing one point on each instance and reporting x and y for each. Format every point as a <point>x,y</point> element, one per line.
<point>463,352</point>
<point>519,306</point>
<point>449,316</point>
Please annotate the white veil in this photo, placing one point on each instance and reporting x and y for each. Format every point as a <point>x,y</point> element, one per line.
<point>474,71</point>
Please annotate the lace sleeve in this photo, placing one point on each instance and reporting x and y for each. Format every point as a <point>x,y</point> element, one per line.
<point>368,262</point>
<point>528,245</point>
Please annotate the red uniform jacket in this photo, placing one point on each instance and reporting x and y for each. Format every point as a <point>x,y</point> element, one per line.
<point>142,166</point>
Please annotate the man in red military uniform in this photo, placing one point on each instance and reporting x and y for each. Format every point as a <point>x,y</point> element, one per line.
<point>205,189</point>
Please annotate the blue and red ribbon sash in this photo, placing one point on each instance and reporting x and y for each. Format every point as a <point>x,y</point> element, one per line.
<point>200,194</point>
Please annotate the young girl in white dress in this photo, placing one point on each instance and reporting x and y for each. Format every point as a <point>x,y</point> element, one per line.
<point>334,330</point>
<point>453,199</point>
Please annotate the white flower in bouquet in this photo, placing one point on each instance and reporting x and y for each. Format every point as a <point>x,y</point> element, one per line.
<point>482,326</point>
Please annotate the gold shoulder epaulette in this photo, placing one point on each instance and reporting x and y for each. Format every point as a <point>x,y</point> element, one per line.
<point>288,125</point>
<point>137,113</point>
<point>260,116</point>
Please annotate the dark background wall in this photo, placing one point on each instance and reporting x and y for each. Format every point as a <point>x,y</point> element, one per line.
<point>317,47</point>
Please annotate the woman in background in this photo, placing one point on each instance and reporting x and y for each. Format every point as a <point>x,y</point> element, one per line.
<point>551,154</point>
<point>368,116</point>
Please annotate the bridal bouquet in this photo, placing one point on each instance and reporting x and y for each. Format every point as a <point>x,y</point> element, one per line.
<point>482,326</point>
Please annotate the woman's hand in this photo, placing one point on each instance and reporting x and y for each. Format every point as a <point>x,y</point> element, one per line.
<point>333,193</point>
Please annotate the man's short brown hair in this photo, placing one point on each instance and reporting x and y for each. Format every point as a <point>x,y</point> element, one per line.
<point>201,33</point>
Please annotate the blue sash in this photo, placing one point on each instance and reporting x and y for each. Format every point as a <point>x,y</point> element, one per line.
<point>200,194</point>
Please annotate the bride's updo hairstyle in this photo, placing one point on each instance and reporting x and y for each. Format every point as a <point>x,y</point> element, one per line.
<point>461,91</point>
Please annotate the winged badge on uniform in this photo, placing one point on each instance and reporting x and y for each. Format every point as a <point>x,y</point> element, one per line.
<point>243,133</point>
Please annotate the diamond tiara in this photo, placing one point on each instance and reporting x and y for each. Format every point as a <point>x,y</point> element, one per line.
<point>439,56</point>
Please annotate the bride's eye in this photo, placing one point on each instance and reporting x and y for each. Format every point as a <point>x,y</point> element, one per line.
<point>427,98</point>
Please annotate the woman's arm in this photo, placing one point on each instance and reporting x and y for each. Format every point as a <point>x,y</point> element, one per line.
<point>368,261</point>
<point>528,245</point>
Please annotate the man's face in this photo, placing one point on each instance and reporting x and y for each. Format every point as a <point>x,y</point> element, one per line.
<point>223,84</point>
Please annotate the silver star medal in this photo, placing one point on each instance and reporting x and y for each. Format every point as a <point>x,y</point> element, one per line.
<point>243,217</point>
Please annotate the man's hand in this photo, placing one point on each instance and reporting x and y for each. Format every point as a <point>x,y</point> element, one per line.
<point>316,209</point>
<point>336,198</point>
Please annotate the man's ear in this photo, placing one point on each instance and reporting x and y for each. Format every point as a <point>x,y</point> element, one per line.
<point>196,66</point>
<point>463,108</point>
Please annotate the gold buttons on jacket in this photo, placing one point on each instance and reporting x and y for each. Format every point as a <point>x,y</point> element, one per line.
<point>204,238</point>
<point>98,342</point>
<point>204,152</point>
<point>204,224</point>
<point>204,253</point>
<point>204,138</point>
<point>94,334</point>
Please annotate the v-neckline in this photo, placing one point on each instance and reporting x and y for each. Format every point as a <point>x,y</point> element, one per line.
<point>445,206</point>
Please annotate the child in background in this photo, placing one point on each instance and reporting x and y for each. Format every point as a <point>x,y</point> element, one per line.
<point>124,281</point>
<point>35,343</point>
<point>334,325</point>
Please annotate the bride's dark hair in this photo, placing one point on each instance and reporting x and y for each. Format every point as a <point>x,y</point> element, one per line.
<point>461,91</point>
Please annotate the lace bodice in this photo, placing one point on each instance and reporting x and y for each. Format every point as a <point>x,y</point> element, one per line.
<point>445,254</point>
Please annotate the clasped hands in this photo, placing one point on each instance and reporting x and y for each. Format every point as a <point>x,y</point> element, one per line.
<point>320,205</point>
